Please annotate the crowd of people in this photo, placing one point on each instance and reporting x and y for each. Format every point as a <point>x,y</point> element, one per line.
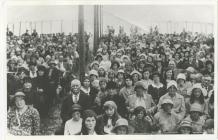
<point>151,83</point>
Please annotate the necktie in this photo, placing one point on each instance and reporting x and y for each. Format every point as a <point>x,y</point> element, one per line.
<point>76,99</point>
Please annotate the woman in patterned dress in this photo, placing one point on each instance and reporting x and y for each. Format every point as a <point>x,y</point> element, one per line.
<point>22,119</point>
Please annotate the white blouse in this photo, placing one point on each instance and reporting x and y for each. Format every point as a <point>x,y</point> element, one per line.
<point>72,127</point>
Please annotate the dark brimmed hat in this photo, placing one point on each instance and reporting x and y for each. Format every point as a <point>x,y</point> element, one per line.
<point>167,101</point>
<point>98,56</point>
<point>110,104</point>
<point>76,107</point>
<point>120,122</point>
<point>18,94</point>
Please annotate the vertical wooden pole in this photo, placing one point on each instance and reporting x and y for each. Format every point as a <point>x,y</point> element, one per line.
<point>81,42</point>
<point>96,28</point>
<point>102,20</point>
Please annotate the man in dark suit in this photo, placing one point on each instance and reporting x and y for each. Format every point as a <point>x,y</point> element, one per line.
<point>76,97</point>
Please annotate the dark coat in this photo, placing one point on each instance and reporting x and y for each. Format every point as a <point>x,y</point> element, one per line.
<point>84,102</point>
<point>40,100</point>
<point>41,82</point>
<point>156,93</point>
<point>54,78</point>
<point>140,126</point>
<point>53,81</point>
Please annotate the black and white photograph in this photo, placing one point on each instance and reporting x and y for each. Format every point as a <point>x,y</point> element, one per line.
<point>110,69</point>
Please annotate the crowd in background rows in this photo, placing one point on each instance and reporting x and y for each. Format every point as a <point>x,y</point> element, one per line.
<point>134,84</point>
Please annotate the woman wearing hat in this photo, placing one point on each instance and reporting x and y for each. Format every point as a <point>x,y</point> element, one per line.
<point>159,66</point>
<point>120,79</point>
<point>176,57</point>
<point>168,75</point>
<point>12,65</point>
<point>209,68</point>
<point>196,118</point>
<point>93,75</point>
<point>94,65</point>
<point>102,93</point>
<point>128,67</point>
<point>85,87</point>
<point>141,65</point>
<point>121,127</point>
<point>111,76</point>
<point>185,127</point>
<point>108,119</point>
<point>197,96</point>
<point>89,124</point>
<point>178,100</point>
<point>141,122</point>
<point>156,89</point>
<point>146,77</point>
<point>150,64</point>
<point>99,58</point>
<point>128,89</point>
<point>102,72</point>
<point>74,125</point>
<point>115,66</point>
<point>22,119</point>
<point>112,95</point>
<point>166,120</point>
<point>141,98</point>
<point>136,76</point>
